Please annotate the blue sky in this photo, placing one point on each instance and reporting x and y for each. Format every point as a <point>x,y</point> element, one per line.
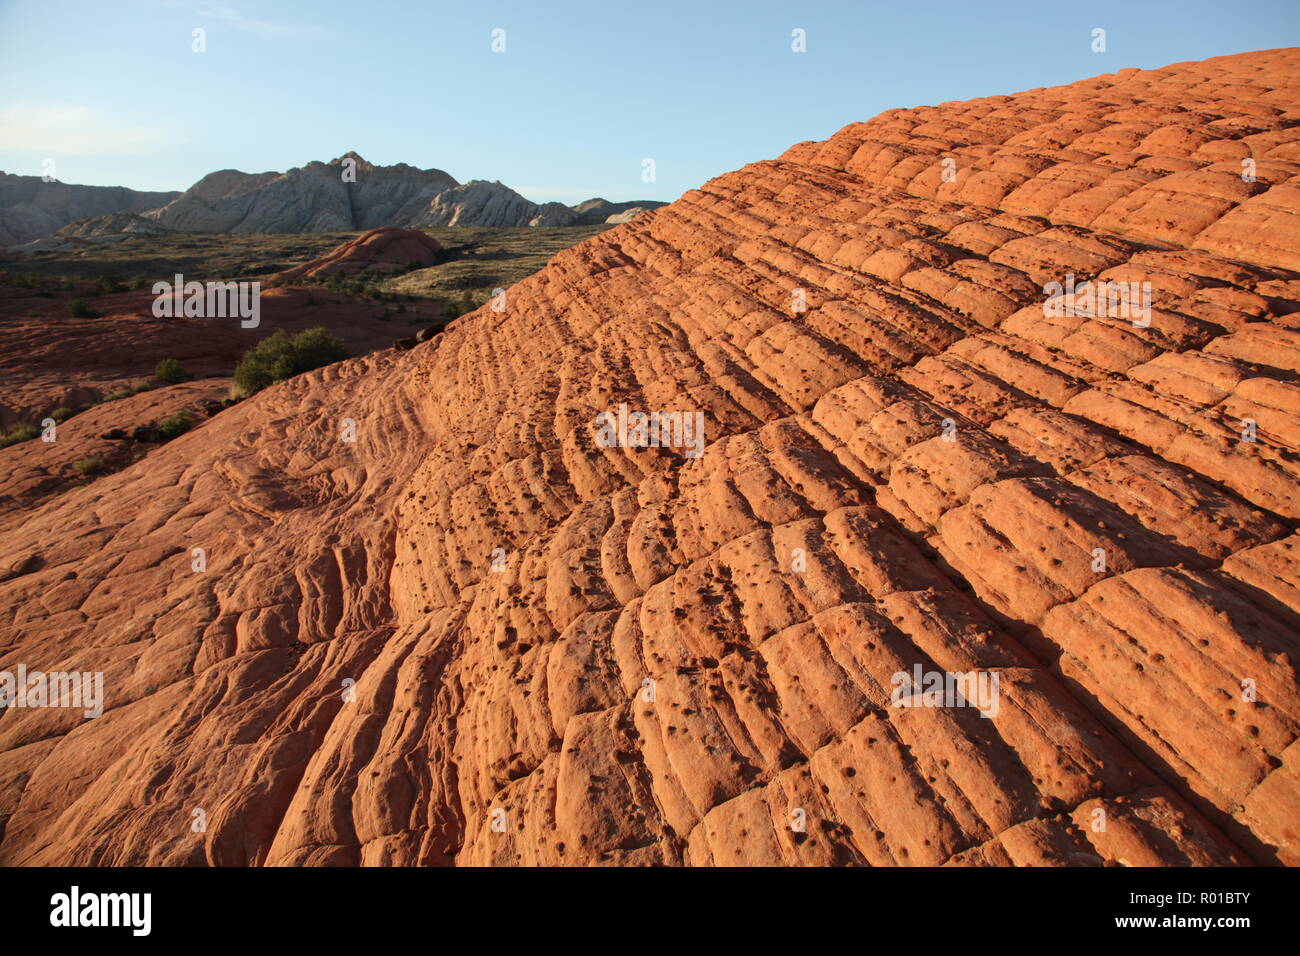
<point>584,91</point>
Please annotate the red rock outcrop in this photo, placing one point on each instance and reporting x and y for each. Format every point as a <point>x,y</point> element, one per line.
<point>379,250</point>
<point>475,634</point>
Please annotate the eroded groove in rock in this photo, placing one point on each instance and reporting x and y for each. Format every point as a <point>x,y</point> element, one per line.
<point>570,653</point>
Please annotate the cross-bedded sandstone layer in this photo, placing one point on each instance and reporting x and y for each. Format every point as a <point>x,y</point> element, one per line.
<point>570,653</point>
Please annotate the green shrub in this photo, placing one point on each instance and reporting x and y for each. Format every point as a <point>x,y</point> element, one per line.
<point>18,431</point>
<point>23,282</point>
<point>120,393</point>
<point>77,309</point>
<point>467,301</point>
<point>90,467</point>
<point>170,372</point>
<point>140,284</point>
<point>62,413</point>
<point>177,424</point>
<point>280,356</point>
<point>110,283</point>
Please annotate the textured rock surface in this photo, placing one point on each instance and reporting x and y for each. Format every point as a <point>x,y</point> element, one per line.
<point>503,590</point>
<point>34,470</point>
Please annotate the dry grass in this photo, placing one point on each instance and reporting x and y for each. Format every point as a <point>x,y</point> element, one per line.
<point>477,260</point>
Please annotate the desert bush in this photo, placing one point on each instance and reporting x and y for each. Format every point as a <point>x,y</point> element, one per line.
<point>90,467</point>
<point>110,283</point>
<point>62,413</point>
<point>467,301</point>
<point>18,431</point>
<point>77,309</point>
<point>170,372</point>
<point>23,282</point>
<point>280,356</point>
<point>177,424</point>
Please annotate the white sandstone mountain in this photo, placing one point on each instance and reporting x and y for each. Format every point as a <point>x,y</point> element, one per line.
<point>345,194</point>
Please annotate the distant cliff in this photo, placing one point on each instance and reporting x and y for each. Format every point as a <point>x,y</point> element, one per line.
<point>344,194</point>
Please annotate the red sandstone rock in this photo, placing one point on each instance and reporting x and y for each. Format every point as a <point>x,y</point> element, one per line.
<point>475,635</point>
<point>379,250</point>
<point>35,469</point>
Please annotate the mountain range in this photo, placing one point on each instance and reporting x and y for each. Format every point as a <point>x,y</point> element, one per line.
<point>31,208</point>
<point>345,194</point>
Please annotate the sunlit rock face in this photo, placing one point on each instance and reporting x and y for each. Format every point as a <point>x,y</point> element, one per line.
<point>963,572</point>
<point>344,194</point>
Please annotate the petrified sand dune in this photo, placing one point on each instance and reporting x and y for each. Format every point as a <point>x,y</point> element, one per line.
<point>379,250</point>
<point>570,653</point>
